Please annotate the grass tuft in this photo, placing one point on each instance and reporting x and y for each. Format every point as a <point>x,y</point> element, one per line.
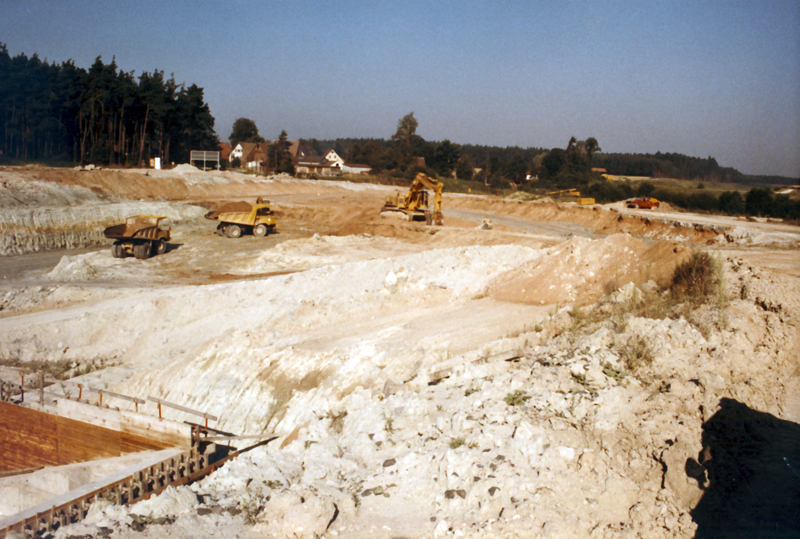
<point>636,353</point>
<point>516,398</point>
<point>457,442</point>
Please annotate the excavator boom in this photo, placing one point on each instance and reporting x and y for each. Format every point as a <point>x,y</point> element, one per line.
<point>415,204</point>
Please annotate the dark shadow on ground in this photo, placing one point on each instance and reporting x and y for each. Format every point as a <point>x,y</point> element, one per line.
<point>750,470</point>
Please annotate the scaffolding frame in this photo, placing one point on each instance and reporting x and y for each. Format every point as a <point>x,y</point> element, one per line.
<point>205,157</point>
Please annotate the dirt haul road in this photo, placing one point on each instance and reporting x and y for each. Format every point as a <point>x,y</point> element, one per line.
<point>422,381</point>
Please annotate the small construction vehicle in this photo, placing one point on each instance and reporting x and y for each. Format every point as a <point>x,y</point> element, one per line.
<point>572,193</point>
<point>415,204</point>
<point>138,236</point>
<point>239,218</point>
<point>565,193</point>
<point>646,203</point>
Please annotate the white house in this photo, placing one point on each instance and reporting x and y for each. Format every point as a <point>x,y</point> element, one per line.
<point>333,157</point>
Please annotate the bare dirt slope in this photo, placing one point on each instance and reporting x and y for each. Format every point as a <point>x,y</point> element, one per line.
<point>422,381</point>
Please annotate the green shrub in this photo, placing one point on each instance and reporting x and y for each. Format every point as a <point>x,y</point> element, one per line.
<point>517,398</point>
<point>695,280</point>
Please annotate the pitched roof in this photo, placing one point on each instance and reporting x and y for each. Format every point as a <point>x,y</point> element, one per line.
<point>247,149</point>
<point>314,161</point>
<point>254,151</point>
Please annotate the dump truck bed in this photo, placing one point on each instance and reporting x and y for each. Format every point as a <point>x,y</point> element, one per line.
<point>230,207</point>
<point>138,227</point>
<point>240,218</point>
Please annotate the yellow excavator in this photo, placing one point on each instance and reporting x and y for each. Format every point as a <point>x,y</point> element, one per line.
<point>415,204</point>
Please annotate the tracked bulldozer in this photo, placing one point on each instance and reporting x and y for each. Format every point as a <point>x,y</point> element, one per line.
<point>415,205</point>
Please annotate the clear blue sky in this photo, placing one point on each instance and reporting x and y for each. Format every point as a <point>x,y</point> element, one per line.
<point>719,78</point>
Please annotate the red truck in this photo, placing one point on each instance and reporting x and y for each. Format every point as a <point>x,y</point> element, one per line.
<point>646,203</point>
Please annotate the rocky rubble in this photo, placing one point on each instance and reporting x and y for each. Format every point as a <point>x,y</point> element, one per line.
<point>564,438</point>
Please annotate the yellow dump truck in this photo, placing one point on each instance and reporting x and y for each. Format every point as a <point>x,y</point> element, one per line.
<point>138,236</point>
<point>237,218</point>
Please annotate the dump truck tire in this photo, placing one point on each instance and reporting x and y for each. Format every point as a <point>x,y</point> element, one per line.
<point>161,247</point>
<point>117,251</point>
<point>233,231</point>
<point>260,230</point>
<point>142,251</point>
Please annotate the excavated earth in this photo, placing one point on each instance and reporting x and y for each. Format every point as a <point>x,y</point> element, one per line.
<point>505,375</point>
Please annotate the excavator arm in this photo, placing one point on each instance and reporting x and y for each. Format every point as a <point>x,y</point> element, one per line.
<point>415,201</point>
<point>422,180</point>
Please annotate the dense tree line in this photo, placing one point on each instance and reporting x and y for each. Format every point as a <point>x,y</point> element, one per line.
<point>667,165</point>
<point>506,167</point>
<point>102,115</point>
<point>407,153</point>
<point>560,168</point>
<point>758,202</point>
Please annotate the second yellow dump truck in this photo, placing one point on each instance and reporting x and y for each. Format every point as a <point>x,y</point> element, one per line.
<point>239,218</point>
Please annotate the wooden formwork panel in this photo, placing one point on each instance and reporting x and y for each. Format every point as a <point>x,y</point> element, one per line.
<point>79,441</point>
<point>139,431</point>
<point>27,438</point>
<point>131,443</point>
<point>31,438</point>
<point>138,428</point>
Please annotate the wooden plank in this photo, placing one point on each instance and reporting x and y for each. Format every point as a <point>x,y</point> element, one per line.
<point>21,472</point>
<point>27,438</point>
<point>139,431</point>
<point>131,443</point>
<point>182,408</point>
<point>136,427</point>
<point>79,441</point>
<point>103,392</point>
<point>240,437</point>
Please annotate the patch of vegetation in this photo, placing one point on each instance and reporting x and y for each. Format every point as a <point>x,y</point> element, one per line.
<point>470,391</point>
<point>457,442</point>
<point>636,353</point>
<point>618,375</point>
<point>56,369</point>
<point>579,378</point>
<point>516,398</point>
<point>695,280</point>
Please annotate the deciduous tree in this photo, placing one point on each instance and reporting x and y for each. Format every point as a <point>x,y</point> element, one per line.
<point>244,130</point>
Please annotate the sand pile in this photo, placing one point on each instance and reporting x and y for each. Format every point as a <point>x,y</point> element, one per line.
<point>582,270</point>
